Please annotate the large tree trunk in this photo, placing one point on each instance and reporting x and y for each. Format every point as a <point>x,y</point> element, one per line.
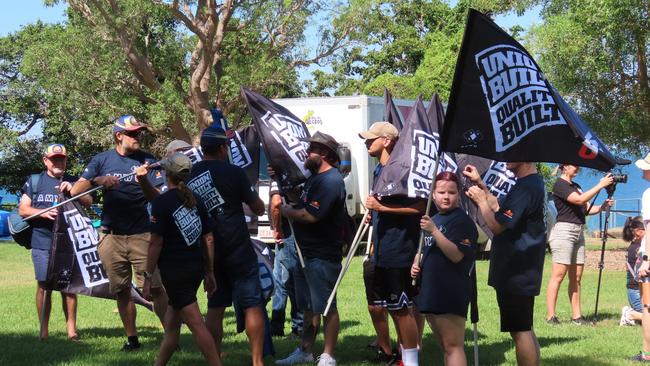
<point>642,64</point>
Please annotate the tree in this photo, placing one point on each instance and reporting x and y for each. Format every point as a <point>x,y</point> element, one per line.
<point>596,53</point>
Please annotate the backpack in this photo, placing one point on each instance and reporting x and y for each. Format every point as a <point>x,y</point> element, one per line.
<point>20,230</point>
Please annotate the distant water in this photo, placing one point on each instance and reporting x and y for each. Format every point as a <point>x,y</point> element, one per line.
<point>626,197</point>
<point>7,198</point>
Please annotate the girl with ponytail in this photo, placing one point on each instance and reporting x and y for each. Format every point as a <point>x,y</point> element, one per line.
<point>181,240</point>
<point>633,232</point>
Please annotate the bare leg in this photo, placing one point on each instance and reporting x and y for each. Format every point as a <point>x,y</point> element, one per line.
<point>214,323</point>
<point>160,302</point>
<point>126,307</point>
<point>575,276</point>
<point>43,307</point>
<point>558,271</point>
<point>527,348</point>
<point>172,324</point>
<point>311,323</point>
<point>255,332</point>
<point>379,318</point>
<point>419,320</point>
<point>192,317</point>
<point>332,325</point>
<point>69,304</point>
<point>407,327</point>
<point>450,331</point>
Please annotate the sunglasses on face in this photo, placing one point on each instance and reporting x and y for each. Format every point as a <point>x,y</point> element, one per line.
<point>132,134</point>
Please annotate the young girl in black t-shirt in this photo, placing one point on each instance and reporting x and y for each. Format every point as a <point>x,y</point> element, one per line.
<point>633,232</point>
<point>182,247</point>
<point>447,261</point>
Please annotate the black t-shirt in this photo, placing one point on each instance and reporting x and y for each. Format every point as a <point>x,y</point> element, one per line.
<point>125,208</point>
<point>446,285</point>
<point>632,252</point>
<point>324,198</point>
<point>517,255</point>
<point>396,236</point>
<point>567,211</point>
<point>223,188</point>
<point>180,227</point>
<point>44,195</point>
<point>284,224</point>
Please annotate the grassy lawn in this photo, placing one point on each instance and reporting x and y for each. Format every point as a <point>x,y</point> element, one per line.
<point>603,344</point>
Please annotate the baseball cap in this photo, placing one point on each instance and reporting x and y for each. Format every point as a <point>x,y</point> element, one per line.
<point>177,165</point>
<point>213,136</point>
<point>380,129</point>
<point>55,150</point>
<point>175,146</point>
<point>127,123</point>
<point>327,141</point>
<point>643,164</point>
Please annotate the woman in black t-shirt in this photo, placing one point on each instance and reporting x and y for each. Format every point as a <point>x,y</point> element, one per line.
<point>567,240</point>
<point>447,260</point>
<point>183,248</point>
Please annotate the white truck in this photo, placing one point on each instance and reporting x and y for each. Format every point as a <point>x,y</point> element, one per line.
<point>342,118</point>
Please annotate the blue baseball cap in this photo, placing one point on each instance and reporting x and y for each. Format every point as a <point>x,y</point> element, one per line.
<point>127,123</point>
<point>213,136</point>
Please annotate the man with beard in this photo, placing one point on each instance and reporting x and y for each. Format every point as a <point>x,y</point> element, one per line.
<point>517,255</point>
<point>396,229</point>
<point>125,219</point>
<point>39,192</point>
<point>224,187</point>
<point>318,227</point>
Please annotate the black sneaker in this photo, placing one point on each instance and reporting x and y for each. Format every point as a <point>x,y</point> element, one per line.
<point>639,358</point>
<point>128,346</point>
<point>580,321</point>
<point>386,359</point>
<point>553,320</point>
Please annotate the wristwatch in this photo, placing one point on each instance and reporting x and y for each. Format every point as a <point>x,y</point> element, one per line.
<point>147,275</point>
<point>645,257</point>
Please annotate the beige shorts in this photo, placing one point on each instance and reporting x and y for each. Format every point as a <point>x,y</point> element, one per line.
<point>123,254</point>
<point>567,242</point>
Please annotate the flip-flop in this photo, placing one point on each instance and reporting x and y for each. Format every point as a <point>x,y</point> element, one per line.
<point>75,338</point>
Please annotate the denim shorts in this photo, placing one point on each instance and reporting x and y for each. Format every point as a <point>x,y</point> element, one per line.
<point>241,285</point>
<point>634,297</point>
<point>315,283</point>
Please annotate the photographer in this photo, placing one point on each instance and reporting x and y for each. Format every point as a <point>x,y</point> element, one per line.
<point>567,239</point>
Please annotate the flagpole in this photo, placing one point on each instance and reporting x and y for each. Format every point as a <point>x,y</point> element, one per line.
<point>369,241</point>
<point>353,247</point>
<point>433,185</point>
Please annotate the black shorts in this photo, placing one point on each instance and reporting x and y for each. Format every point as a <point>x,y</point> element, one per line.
<point>369,281</point>
<point>181,282</point>
<point>516,312</point>
<point>393,285</point>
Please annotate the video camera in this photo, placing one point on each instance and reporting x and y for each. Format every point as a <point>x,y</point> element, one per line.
<point>618,178</point>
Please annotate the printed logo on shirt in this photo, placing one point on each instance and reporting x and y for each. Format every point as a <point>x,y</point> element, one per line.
<point>189,224</point>
<point>314,204</point>
<point>47,198</point>
<point>466,242</point>
<point>203,185</point>
<point>158,175</point>
<point>508,214</point>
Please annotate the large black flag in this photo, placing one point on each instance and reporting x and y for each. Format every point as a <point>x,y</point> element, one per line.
<point>409,170</point>
<point>285,138</point>
<point>74,266</point>
<point>502,107</point>
<point>390,111</point>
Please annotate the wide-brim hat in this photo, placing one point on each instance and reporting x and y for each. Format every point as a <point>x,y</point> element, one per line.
<point>643,164</point>
<point>326,141</point>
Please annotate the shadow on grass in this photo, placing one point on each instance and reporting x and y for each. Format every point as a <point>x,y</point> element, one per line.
<point>602,316</point>
<point>494,353</point>
<point>27,349</point>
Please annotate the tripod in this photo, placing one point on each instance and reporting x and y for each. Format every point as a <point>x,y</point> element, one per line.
<point>601,265</point>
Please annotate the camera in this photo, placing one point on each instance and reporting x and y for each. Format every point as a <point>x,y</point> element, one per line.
<point>619,178</point>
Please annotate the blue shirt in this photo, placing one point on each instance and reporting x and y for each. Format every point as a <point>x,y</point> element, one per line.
<point>223,188</point>
<point>395,236</point>
<point>45,195</point>
<point>180,227</point>
<point>323,197</point>
<point>125,208</point>
<point>517,254</point>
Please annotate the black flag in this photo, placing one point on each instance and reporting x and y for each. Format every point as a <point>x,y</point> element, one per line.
<point>74,266</point>
<point>285,138</point>
<point>245,151</point>
<point>390,111</point>
<point>409,170</point>
<point>502,107</point>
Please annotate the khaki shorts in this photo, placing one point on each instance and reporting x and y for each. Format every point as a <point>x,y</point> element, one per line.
<point>119,253</point>
<point>567,242</point>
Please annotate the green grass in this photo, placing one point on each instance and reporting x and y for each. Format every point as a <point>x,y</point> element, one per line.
<point>102,336</point>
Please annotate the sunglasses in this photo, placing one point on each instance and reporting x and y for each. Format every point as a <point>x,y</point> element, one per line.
<point>133,134</point>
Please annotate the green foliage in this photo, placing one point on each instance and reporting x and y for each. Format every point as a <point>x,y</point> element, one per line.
<point>595,52</point>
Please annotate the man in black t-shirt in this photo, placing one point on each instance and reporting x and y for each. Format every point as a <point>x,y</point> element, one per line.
<point>49,184</point>
<point>318,226</point>
<point>224,187</point>
<point>125,218</point>
<point>517,255</point>
<point>396,229</point>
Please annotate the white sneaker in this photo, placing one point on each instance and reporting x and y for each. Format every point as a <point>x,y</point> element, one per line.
<point>625,320</point>
<point>297,356</point>
<point>326,360</point>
